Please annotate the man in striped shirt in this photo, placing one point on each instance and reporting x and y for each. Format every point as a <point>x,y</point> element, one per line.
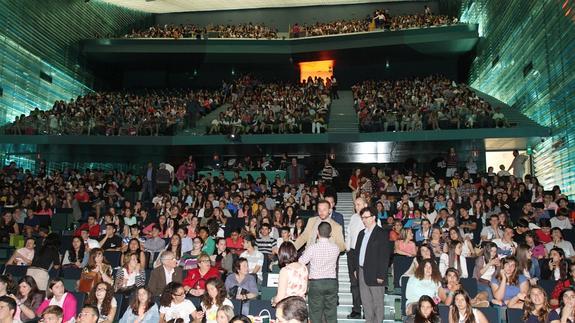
<point>322,287</point>
<point>266,245</point>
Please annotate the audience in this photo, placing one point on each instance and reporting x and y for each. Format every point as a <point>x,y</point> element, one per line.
<point>150,113</point>
<point>430,103</point>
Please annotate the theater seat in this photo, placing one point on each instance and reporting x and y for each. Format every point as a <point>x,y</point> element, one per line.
<point>268,292</point>
<point>113,258</point>
<point>258,305</point>
<point>16,271</point>
<point>71,273</point>
<point>514,315</point>
<point>400,266</point>
<point>547,285</point>
<point>80,298</point>
<point>120,302</point>
<point>444,312</point>
<point>491,313</point>
<point>469,285</point>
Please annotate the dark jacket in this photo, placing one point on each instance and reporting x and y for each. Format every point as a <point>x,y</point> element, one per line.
<point>377,255</point>
<point>157,281</point>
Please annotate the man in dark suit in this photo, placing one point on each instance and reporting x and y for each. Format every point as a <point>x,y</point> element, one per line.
<point>168,272</point>
<point>372,258</point>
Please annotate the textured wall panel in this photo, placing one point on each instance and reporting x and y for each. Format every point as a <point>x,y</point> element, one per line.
<point>43,36</point>
<point>541,32</point>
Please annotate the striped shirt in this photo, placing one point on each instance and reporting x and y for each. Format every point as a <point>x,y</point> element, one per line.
<point>266,244</point>
<point>322,258</point>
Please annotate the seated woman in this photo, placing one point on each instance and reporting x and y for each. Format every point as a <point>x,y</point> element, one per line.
<point>97,263</point>
<point>225,314</point>
<point>175,246</point>
<point>451,285</point>
<point>7,285</point>
<point>57,295</point>
<point>453,258</point>
<point>454,235</point>
<point>566,312</point>
<point>426,281</point>
<point>189,259</point>
<point>404,245</point>
<point>174,305</point>
<point>130,276</point>
<point>426,312</point>
<point>76,256</point>
<point>134,246</point>
<point>293,275</point>
<point>556,267</point>
<point>102,296</point>
<point>423,252</point>
<point>537,248</point>
<point>509,287</point>
<point>240,284</point>
<point>29,298</point>
<point>8,227</point>
<point>23,256</point>
<point>436,242</point>
<point>567,282</point>
<point>195,282</point>
<point>214,298</point>
<point>486,265</point>
<point>142,308</point>
<point>461,310</point>
<point>536,308</point>
<point>527,264</point>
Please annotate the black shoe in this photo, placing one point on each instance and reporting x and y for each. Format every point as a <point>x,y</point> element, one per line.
<point>354,315</point>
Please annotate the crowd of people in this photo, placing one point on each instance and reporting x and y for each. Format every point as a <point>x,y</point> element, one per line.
<point>263,108</point>
<point>430,103</point>
<point>149,113</point>
<point>247,30</point>
<point>175,246</point>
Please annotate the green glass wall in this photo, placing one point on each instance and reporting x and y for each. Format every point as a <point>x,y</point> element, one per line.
<point>43,37</point>
<point>526,58</point>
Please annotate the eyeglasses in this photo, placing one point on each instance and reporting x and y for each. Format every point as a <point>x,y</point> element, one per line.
<point>82,314</point>
<point>101,289</point>
<point>366,217</point>
<point>178,295</point>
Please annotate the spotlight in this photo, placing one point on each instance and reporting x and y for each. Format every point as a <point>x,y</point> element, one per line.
<point>234,138</point>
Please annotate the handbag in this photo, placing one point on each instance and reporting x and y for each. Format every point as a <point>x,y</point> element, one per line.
<point>88,280</point>
<point>261,318</point>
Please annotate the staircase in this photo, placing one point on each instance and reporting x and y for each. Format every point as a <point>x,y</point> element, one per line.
<point>342,118</point>
<point>345,207</point>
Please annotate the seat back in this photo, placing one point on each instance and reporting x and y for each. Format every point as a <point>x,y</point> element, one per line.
<point>119,302</point>
<point>16,271</point>
<point>470,262</point>
<point>267,293</point>
<point>514,315</point>
<point>113,258</point>
<point>80,299</point>
<point>258,305</point>
<point>400,266</point>
<point>71,273</point>
<point>469,285</point>
<point>491,313</point>
<point>547,285</point>
<point>444,312</point>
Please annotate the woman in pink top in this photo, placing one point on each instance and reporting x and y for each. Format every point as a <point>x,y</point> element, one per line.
<point>57,295</point>
<point>293,275</point>
<point>405,245</point>
<point>404,213</point>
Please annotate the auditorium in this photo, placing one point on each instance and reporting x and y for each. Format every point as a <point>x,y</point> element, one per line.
<point>287,161</point>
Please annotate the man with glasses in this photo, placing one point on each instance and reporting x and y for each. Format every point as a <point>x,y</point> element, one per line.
<point>88,314</point>
<point>52,314</point>
<point>168,272</point>
<point>372,260</point>
<point>7,309</point>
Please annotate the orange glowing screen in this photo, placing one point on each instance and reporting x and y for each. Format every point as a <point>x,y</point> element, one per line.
<point>323,69</point>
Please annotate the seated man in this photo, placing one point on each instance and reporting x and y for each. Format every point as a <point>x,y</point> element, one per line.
<point>292,309</point>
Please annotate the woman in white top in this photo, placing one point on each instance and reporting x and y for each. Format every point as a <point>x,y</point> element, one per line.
<point>214,298</point>
<point>23,256</point>
<point>462,312</point>
<point>174,305</point>
<point>102,296</point>
<point>453,258</point>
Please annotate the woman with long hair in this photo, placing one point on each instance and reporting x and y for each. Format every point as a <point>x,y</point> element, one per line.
<point>566,312</point>
<point>298,228</point>
<point>97,263</point>
<point>175,246</point>
<point>174,305</point>
<point>453,258</point>
<point>537,248</point>
<point>102,296</point>
<point>134,247</point>
<point>436,242</point>
<point>404,245</point>
<point>556,267</point>
<point>423,252</point>
<point>7,285</point>
<point>293,276</point>
<point>57,295</point>
<point>567,282</point>
<point>142,308</point>
<point>29,297</point>
<point>426,281</point>
<point>214,298</point>
<point>486,265</point>
<point>453,236</point>
<point>8,227</point>
<point>509,286</point>
<point>426,311</point>
<point>76,256</point>
<point>527,264</point>
<point>536,308</point>
<point>131,276</point>
<point>451,284</point>
<point>189,260</point>
<point>461,311</point>
<point>225,314</point>
<point>46,258</point>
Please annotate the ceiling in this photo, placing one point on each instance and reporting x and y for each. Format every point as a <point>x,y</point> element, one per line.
<point>169,6</point>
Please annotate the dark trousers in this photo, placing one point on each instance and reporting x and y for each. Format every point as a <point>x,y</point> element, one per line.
<point>354,286</point>
<point>322,299</point>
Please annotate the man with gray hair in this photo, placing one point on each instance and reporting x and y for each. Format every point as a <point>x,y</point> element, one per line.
<point>168,272</point>
<point>292,309</point>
